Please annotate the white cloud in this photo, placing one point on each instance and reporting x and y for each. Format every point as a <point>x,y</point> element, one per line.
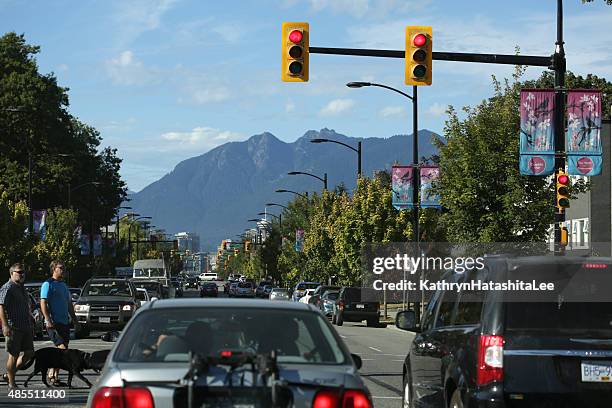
<point>135,17</point>
<point>391,111</point>
<point>290,107</point>
<point>127,70</point>
<point>337,106</point>
<point>212,94</point>
<point>204,138</point>
<point>437,109</point>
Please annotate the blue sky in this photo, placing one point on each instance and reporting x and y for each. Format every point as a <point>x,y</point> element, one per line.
<point>164,80</point>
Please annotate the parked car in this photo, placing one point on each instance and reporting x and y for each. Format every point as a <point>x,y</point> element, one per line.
<point>300,289</point>
<point>327,302</point>
<point>209,289</point>
<point>142,296</point>
<point>105,304</point>
<point>34,289</point>
<point>279,294</point>
<point>259,291</point>
<point>235,339</point>
<point>232,289</point>
<point>267,291</point>
<point>155,288</point>
<point>191,283</point>
<point>492,352</point>
<point>319,292</point>
<point>307,295</point>
<point>351,307</point>
<point>244,289</point>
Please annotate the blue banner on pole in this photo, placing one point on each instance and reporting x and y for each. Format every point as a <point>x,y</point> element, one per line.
<point>583,136</point>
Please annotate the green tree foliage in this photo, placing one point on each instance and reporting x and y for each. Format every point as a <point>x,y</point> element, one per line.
<point>608,2</point>
<point>480,185</point>
<point>34,121</point>
<point>14,245</point>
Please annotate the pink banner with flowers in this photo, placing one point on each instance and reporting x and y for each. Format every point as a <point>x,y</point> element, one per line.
<point>583,136</point>
<point>537,137</point>
<point>402,186</point>
<point>429,199</point>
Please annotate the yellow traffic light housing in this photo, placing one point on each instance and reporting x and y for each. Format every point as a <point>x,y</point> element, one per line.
<point>418,55</point>
<point>564,236</point>
<point>562,190</point>
<point>295,52</point>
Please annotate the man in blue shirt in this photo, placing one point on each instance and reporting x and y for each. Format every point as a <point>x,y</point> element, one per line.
<point>57,308</point>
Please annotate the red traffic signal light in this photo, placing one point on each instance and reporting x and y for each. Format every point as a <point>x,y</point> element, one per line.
<point>418,55</point>
<point>295,52</point>
<point>562,190</point>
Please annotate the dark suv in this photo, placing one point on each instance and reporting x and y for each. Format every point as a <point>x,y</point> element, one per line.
<point>351,306</point>
<point>105,304</point>
<point>483,349</point>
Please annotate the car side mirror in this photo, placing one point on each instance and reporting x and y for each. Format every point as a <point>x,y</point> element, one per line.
<point>110,336</point>
<point>153,298</point>
<point>406,320</point>
<point>357,360</point>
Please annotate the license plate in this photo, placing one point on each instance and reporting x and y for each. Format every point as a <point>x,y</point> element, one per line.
<point>104,319</point>
<point>360,306</point>
<point>596,371</point>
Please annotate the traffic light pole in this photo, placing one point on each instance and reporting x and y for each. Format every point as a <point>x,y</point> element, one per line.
<point>560,68</point>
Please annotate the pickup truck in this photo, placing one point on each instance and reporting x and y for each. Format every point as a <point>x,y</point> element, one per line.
<point>105,304</point>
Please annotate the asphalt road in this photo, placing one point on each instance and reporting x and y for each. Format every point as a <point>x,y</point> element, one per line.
<point>381,349</point>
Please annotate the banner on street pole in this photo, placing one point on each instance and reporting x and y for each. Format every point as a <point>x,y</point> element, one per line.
<point>97,245</point>
<point>40,223</point>
<point>84,244</point>
<point>537,134</point>
<point>402,187</point>
<point>429,199</point>
<point>583,135</point>
<point>299,240</point>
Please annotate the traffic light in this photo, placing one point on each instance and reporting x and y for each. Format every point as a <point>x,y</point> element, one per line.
<point>418,55</point>
<point>563,196</point>
<point>295,52</point>
<point>564,236</point>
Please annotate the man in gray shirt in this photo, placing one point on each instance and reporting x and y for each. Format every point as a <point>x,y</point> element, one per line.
<point>16,317</point>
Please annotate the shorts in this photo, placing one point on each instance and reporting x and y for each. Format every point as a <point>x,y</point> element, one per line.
<point>59,334</point>
<point>19,340</point>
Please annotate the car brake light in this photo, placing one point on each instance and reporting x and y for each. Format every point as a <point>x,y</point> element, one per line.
<point>118,397</point>
<point>348,399</point>
<point>226,353</point>
<point>490,359</point>
<point>326,399</point>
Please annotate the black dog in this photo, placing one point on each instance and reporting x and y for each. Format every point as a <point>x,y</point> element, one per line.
<point>97,360</point>
<point>72,360</point>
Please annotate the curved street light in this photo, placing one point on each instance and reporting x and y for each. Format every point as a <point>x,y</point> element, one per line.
<point>71,189</point>
<point>415,144</point>
<point>357,150</point>
<point>293,192</point>
<point>324,179</point>
<point>279,205</point>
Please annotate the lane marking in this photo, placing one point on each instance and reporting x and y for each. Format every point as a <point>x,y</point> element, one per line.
<point>375,349</point>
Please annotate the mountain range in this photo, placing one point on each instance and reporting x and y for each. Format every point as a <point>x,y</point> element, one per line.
<point>215,193</point>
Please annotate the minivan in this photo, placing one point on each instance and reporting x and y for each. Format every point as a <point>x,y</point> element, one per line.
<point>493,351</point>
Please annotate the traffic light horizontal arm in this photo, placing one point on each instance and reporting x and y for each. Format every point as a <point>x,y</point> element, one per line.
<point>532,60</point>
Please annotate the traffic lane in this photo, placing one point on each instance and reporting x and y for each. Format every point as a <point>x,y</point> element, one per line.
<point>75,397</point>
<point>382,351</point>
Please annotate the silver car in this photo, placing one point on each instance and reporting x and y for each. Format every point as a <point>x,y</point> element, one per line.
<point>279,294</point>
<point>224,353</point>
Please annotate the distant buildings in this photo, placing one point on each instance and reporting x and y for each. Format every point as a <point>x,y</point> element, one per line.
<point>188,241</point>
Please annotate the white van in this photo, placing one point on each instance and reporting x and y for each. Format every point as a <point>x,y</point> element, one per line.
<point>208,276</point>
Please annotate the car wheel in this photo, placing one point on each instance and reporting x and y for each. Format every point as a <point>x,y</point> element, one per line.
<point>372,322</point>
<point>81,334</point>
<point>455,401</point>
<point>339,320</point>
<point>407,400</point>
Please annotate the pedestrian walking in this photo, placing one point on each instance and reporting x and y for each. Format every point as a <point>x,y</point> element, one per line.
<point>58,311</point>
<point>17,324</point>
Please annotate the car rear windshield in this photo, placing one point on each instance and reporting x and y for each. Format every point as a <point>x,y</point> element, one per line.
<point>244,285</point>
<point>304,286</point>
<point>107,288</point>
<point>168,335</point>
<point>577,319</point>
<point>331,295</point>
<point>352,294</point>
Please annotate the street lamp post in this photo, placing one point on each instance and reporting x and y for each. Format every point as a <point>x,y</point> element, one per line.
<point>279,205</point>
<point>415,147</point>
<point>324,179</point>
<point>130,235</point>
<point>293,192</point>
<point>357,150</point>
